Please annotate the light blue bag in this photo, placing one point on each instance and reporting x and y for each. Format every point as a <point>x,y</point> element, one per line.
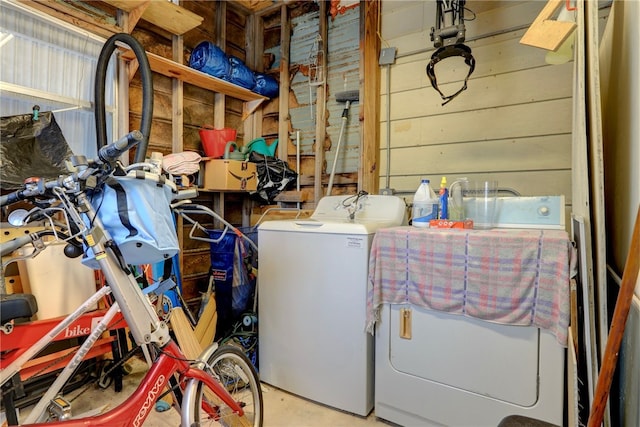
<point>135,211</point>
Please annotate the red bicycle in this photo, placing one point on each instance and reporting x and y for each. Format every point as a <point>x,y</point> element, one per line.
<point>221,387</point>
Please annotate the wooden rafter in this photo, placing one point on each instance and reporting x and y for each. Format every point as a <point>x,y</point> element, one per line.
<point>74,17</point>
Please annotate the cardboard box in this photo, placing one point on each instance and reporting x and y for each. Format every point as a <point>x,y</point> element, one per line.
<point>446,223</point>
<point>229,175</point>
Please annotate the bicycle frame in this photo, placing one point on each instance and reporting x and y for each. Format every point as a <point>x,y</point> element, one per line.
<point>143,322</point>
<point>135,410</point>
<point>26,335</point>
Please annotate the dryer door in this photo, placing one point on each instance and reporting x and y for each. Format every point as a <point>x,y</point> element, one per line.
<point>494,360</point>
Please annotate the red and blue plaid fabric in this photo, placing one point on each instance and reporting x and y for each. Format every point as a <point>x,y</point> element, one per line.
<point>517,277</point>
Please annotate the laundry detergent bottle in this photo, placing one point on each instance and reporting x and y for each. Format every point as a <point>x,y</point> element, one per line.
<point>443,195</point>
<point>425,205</point>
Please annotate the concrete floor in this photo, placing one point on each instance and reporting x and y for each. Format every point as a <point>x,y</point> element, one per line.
<point>281,409</point>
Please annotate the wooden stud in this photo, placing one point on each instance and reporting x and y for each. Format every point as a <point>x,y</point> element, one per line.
<point>321,126</point>
<point>368,173</point>
<point>177,98</point>
<point>219,103</point>
<point>283,100</point>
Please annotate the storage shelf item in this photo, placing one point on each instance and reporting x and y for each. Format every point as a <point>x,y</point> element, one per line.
<point>172,69</point>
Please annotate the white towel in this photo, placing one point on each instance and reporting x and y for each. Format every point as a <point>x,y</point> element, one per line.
<point>185,163</point>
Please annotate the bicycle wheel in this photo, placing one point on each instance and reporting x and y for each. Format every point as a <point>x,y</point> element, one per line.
<point>229,366</point>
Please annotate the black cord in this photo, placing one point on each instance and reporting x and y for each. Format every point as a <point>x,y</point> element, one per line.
<point>346,202</point>
<point>191,361</point>
<point>472,12</point>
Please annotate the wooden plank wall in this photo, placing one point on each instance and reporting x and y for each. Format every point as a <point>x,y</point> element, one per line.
<point>512,124</point>
<point>343,68</point>
<point>198,103</point>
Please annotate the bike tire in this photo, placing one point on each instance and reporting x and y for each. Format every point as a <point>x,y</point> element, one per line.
<point>231,367</point>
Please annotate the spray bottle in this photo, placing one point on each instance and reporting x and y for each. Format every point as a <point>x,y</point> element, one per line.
<point>443,196</point>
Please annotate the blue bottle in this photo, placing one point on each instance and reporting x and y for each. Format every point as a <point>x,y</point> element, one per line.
<point>443,197</point>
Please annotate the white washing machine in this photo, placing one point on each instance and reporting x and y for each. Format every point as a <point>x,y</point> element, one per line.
<point>453,370</point>
<point>312,300</point>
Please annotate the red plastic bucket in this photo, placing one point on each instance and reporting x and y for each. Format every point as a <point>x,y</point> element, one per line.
<point>214,140</point>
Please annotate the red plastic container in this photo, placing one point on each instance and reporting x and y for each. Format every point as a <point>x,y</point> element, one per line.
<point>214,140</point>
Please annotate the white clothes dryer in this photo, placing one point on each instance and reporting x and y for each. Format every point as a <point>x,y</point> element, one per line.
<point>440,369</point>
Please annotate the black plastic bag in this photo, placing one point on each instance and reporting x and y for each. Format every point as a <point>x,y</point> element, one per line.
<point>29,148</point>
<point>274,176</point>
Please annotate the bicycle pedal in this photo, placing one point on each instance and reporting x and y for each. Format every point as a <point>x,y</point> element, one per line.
<point>60,409</point>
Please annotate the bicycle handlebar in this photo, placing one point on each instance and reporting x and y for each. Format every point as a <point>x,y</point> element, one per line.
<point>10,246</point>
<point>110,153</point>
<point>107,154</point>
<point>10,198</point>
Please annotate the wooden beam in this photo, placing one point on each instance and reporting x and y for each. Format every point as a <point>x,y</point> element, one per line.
<point>252,45</point>
<point>136,13</point>
<point>166,15</point>
<point>284,119</point>
<point>74,17</point>
<point>368,172</point>
<point>126,70</point>
<point>548,33</point>
<point>249,107</point>
<point>321,129</point>
<point>219,99</point>
<point>255,5</point>
<point>126,5</point>
<point>291,197</point>
<point>177,98</point>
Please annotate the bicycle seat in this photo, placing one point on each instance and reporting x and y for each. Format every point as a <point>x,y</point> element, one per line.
<point>17,307</point>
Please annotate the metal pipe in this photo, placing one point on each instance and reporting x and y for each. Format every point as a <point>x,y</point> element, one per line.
<point>388,177</point>
<point>347,97</point>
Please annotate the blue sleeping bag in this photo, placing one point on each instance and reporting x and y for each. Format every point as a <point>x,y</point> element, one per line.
<point>266,85</point>
<point>210,59</point>
<point>240,74</point>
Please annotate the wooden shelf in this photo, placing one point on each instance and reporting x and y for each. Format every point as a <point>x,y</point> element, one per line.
<point>166,15</point>
<point>189,75</point>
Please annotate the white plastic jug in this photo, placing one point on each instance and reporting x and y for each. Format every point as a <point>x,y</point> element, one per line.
<point>425,205</point>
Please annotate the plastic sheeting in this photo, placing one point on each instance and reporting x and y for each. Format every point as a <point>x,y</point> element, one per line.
<point>274,176</point>
<point>29,148</point>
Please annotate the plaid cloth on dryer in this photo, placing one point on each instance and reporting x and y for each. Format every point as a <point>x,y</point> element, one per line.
<point>517,277</point>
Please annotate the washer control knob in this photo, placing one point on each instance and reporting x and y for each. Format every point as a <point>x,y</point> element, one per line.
<point>543,210</point>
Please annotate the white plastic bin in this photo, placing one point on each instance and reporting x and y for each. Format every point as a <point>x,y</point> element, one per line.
<point>60,284</point>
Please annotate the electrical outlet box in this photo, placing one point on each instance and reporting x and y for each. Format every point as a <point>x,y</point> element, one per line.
<point>387,56</point>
